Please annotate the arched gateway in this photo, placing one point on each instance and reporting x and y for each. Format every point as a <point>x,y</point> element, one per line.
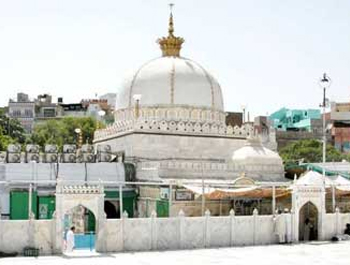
<point>71,196</point>
<point>308,202</point>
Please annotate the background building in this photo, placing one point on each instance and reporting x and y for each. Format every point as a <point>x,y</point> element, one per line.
<point>297,124</point>
<point>340,117</point>
<point>31,112</point>
<point>23,109</point>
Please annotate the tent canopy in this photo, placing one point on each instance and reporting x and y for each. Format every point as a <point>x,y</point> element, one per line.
<point>313,178</point>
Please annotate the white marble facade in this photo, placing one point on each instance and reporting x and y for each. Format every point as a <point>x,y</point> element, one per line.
<point>172,109</point>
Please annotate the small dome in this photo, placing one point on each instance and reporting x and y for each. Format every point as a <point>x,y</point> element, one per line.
<point>255,151</point>
<point>171,81</point>
<point>258,162</point>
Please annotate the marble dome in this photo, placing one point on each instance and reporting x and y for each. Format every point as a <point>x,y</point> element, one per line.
<point>171,81</point>
<point>258,162</point>
<point>171,87</point>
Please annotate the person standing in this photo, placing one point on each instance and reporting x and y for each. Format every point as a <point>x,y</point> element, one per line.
<point>347,230</point>
<point>70,239</point>
<point>307,228</point>
<point>280,227</point>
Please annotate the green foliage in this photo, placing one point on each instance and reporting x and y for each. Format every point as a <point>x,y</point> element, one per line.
<point>5,140</point>
<point>62,131</point>
<point>310,151</point>
<point>11,131</point>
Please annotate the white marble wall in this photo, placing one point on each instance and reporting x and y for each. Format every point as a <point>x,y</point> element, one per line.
<point>330,227</point>
<point>143,234</point>
<point>344,219</point>
<point>335,224</point>
<point>15,235</point>
<point>114,240</point>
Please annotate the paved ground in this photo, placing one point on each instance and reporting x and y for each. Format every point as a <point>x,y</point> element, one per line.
<point>320,253</point>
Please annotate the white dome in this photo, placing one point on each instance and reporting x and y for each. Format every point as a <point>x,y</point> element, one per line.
<point>256,153</point>
<point>171,81</point>
<point>258,162</point>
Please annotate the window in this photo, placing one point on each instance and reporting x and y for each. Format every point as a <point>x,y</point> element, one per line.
<point>16,113</point>
<point>49,113</point>
<point>28,113</point>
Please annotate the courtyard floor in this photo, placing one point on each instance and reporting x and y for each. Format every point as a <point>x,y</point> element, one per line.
<point>320,253</point>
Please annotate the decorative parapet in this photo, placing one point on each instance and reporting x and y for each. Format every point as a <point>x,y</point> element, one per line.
<point>176,113</point>
<point>193,169</point>
<point>173,127</point>
<point>79,189</point>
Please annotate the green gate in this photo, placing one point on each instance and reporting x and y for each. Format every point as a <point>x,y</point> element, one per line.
<point>162,208</point>
<point>19,204</point>
<point>46,207</point>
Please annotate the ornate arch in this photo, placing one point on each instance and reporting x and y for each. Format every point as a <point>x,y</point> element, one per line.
<point>314,194</point>
<point>69,197</point>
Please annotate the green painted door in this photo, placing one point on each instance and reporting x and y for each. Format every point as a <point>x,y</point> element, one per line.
<point>162,208</point>
<point>19,204</point>
<point>46,207</point>
<point>91,222</point>
<point>128,205</point>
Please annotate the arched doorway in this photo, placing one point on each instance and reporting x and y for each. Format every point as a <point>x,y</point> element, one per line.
<point>84,222</point>
<point>111,210</point>
<point>308,222</point>
<point>91,198</point>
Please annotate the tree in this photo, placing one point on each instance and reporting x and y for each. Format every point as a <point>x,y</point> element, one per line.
<point>62,131</point>
<point>310,151</point>
<point>11,131</point>
<point>5,140</point>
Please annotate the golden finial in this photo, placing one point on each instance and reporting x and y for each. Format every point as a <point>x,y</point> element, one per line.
<point>171,23</point>
<point>171,45</point>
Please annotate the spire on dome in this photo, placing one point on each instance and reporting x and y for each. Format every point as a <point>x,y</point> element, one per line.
<point>170,45</point>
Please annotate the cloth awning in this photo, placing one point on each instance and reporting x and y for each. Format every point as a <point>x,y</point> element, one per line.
<point>255,192</point>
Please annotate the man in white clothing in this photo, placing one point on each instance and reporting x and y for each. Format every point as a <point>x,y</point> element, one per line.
<point>70,239</point>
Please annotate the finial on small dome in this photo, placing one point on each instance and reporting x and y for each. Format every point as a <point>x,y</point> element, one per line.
<point>171,45</point>
<point>253,140</point>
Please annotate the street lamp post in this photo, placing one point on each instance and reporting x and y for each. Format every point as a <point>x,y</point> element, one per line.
<point>324,82</point>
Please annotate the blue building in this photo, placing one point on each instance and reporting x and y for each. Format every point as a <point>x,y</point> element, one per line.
<point>294,119</point>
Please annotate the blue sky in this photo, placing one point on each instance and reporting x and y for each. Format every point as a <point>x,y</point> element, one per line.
<point>265,54</point>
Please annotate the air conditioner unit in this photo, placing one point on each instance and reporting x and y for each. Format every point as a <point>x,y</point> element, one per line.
<point>14,148</point>
<point>14,158</point>
<point>51,148</point>
<point>2,157</point>
<point>32,157</point>
<point>104,157</point>
<point>87,148</point>
<point>32,148</point>
<point>51,153</point>
<point>104,148</point>
<point>69,158</point>
<point>88,158</point>
<point>51,158</point>
<point>69,148</point>
<point>104,153</point>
